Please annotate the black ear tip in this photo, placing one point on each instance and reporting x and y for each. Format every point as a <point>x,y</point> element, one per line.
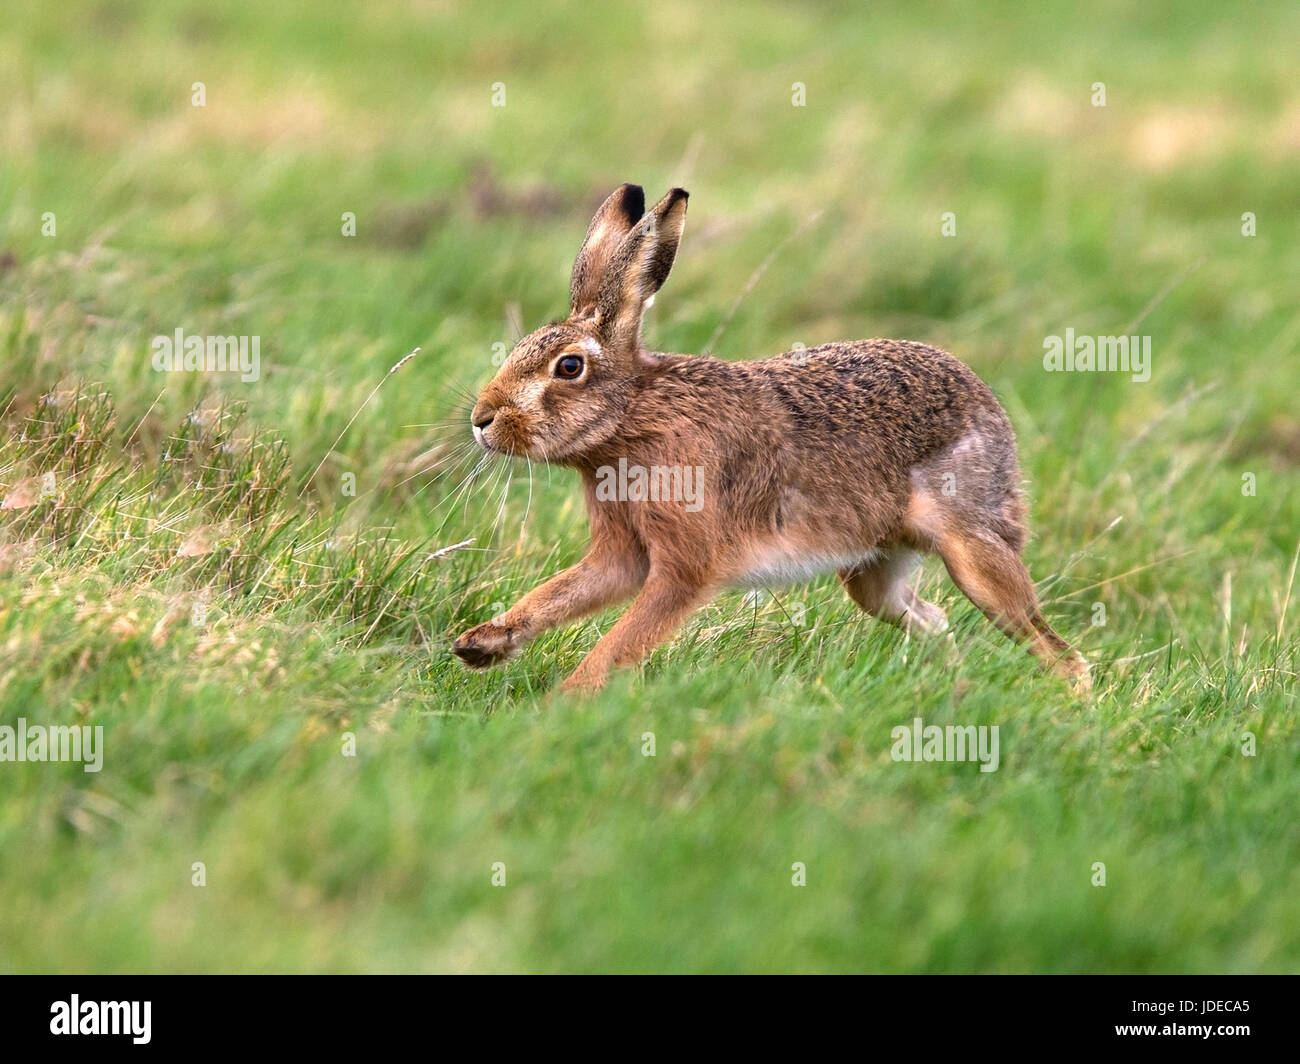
<point>633,203</point>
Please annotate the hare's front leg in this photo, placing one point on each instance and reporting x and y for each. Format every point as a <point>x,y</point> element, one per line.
<point>664,602</point>
<point>601,579</point>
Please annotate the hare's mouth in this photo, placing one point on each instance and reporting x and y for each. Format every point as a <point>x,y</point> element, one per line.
<point>487,431</point>
<point>490,445</point>
<point>499,439</point>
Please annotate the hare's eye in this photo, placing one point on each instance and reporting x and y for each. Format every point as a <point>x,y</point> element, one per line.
<point>569,367</point>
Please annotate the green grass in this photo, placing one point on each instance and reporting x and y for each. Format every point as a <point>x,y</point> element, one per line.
<point>324,614</point>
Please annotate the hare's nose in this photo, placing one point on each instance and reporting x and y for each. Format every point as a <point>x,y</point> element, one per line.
<point>481,419</point>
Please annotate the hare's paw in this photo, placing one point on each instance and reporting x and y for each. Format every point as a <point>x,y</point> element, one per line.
<point>924,617</point>
<point>1077,671</point>
<point>486,645</point>
<point>583,683</point>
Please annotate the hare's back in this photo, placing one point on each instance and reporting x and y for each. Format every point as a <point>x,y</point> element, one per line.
<point>918,398</point>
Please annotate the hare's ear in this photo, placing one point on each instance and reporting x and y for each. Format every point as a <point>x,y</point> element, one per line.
<point>638,269</point>
<point>616,217</point>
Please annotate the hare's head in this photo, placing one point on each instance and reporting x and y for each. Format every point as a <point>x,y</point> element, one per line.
<point>563,389</point>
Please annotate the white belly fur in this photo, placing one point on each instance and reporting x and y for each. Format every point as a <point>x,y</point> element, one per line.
<point>779,567</point>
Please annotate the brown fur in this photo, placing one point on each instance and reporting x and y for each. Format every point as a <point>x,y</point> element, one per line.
<point>852,456</point>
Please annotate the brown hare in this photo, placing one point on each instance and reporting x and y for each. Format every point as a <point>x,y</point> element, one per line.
<point>851,456</point>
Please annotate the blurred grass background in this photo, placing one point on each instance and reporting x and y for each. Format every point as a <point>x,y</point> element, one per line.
<point>328,613</point>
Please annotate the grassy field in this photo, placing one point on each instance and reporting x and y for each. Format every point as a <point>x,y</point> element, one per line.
<point>236,582</point>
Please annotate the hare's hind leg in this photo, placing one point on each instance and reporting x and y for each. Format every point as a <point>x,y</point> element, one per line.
<point>881,585</point>
<point>966,506</point>
<point>990,573</point>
